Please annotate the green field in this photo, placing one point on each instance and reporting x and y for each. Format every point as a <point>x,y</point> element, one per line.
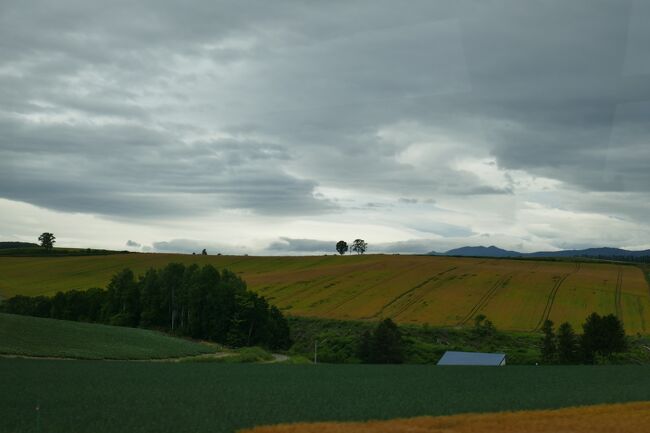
<point>34,336</point>
<point>131,397</point>
<point>516,295</point>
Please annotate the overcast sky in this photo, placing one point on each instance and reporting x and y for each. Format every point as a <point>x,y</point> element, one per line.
<point>280,127</point>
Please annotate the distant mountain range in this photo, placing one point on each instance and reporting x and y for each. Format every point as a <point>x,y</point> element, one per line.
<point>596,253</point>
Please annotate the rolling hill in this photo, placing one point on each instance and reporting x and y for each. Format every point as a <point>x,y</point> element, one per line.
<point>39,337</point>
<point>442,291</point>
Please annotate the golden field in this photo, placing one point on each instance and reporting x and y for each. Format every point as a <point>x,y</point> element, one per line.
<point>613,418</point>
<point>442,291</point>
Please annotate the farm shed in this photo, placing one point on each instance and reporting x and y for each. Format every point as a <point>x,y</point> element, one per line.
<point>472,358</point>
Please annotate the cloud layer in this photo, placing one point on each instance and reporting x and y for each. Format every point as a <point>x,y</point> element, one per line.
<point>258,127</point>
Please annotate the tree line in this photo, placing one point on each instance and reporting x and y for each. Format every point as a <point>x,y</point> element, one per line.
<point>602,337</point>
<point>198,302</point>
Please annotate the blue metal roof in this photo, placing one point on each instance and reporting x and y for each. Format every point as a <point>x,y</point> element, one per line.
<point>471,358</point>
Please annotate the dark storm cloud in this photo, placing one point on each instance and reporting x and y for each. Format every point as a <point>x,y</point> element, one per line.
<point>137,172</point>
<point>155,109</point>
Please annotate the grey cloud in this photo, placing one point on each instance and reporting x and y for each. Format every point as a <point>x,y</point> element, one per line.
<point>134,244</point>
<point>412,246</point>
<point>188,246</point>
<point>286,244</point>
<point>291,245</point>
<point>137,172</point>
<point>178,111</point>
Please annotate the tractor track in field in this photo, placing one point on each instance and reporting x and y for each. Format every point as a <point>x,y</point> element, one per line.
<point>362,291</point>
<point>326,280</point>
<point>409,291</point>
<point>617,295</point>
<point>487,296</point>
<point>551,297</point>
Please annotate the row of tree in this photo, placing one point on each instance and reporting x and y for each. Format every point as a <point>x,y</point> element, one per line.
<point>201,303</point>
<point>602,337</point>
<point>359,246</point>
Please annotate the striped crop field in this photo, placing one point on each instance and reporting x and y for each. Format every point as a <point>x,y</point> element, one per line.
<point>620,418</point>
<point>516,295</point>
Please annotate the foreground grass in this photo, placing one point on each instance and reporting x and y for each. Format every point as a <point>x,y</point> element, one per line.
<point>133,397</point>
<point>620,418</point>
<point>34,336</point>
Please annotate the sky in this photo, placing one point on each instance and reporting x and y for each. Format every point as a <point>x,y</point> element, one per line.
<point>257,127</point>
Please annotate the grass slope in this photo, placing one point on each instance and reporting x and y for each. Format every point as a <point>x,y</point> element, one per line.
<point>132,397</point>
<point>442,291</point>
<point>607,418</point>
<point>34,336</point>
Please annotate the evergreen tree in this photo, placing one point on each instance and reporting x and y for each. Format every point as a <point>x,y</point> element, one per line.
<point>568,348</point>
<point>366,345</point>
<point>151,300</point>
<point>200,302</point>
<point>122,305</point>
<point>549,345</point>
<point>383,346</point>
<point>602,336</point>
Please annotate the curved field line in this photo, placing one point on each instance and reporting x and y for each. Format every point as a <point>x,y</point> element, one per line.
<point>486,298</point>
<point>315,283</point>
<point>411,290</point>
<point>372,286</point>
<point>617,295</point>
<point>551,297</point>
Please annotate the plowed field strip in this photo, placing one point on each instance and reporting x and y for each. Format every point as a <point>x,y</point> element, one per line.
<point>411,290</point>
<point>485,298</point>
<point>379,283</point>
<point>551,297</point>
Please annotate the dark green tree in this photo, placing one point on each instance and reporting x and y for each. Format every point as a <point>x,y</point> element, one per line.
<point>122,305</point>
<point>366,347</point>
<point>602,336</point>
<point>151,300</point>
<point>341,247</point>
<point>200,302</point>
<point>568,349</point>
<point>172,277</point>
<point>383,346</point>
<point>614,340</point>
<point>359,246</point>
<point>549,344</point>
<point>47,240</point>
<point>483,327</point>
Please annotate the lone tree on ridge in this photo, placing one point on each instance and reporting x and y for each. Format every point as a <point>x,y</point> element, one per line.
<point>342,247</point>
<point>359,246</point>
<point>47,240</point>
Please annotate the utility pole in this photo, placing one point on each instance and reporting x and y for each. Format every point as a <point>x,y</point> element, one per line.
<point>316,350</point>
<point>173,311</point>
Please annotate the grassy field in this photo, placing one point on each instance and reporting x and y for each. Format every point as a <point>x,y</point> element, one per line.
<point>442,291</point>
<point>34,336</point>
<point>131,397</point>
<point>620,418</point>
